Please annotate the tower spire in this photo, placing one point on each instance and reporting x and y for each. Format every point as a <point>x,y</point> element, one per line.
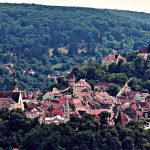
<point>14,86</point>
<point>66,110</point>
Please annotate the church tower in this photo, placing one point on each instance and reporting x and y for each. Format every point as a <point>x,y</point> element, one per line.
<point>71,80</point>
<point>14,86</point>
<point>66,111</point>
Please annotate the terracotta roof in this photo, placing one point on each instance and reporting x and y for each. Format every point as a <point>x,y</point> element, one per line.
<point>102,95</point>
<point>124,106</point>
<point>108,101</point>
<point>82,83</point>
<point>121,58</point>
<point>144,105</point>
<point>76,101</point>
<point>57,112</point>
<point>83,108</point>
<point>124,100</point>
<point>110,57</point>
<point>98,111</point>
<point>55,91</point>
<point>123,118</point>
<point>130,112</point>
<point>56,105</point>
<point>144,50</point>
<point>134,106</point>
<point>62,101</point>
<point>6,102</point>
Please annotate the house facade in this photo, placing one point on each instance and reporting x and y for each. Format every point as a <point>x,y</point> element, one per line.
<point>79,86</point>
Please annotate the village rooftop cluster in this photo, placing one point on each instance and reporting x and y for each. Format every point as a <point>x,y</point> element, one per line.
<point>58,106</point>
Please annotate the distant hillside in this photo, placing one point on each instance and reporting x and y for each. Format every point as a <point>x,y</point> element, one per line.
<point>42,40</point>
<point>35,29</point>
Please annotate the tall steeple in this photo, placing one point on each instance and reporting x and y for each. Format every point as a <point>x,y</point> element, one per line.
<point>66,110</point>
<point>14,84</point>
<point>71,79</point>
<point>15,87</point>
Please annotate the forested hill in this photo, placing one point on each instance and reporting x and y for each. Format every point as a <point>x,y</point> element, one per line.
<point>41,40</point>
<point>31,30</point>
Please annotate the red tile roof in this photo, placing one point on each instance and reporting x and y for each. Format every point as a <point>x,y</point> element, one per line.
<point>82,83</point>
<point>144,105</point>
<point>133,106</point>
<point>77,101</point>
<point>57,112</point>
<point>124,100</point>
<point>62,101</point>
<point>144,50</point>
<point>110,57</point>
<point>123,118</point>
<point>102,95</point>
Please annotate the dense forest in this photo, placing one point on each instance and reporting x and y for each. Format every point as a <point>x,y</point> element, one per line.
<point>54,39</point>
<point>17,131</point>
<point>136,68</point>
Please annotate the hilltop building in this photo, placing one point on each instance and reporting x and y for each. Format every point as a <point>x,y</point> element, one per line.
<point>113,58</point>
<point>144,52</point>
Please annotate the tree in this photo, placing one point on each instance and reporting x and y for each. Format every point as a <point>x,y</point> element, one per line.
<point>91,73</point>
<point>135,84</point>
<point>118,78</point>
<point>112,68</point>
<point>113,89</point>
<point>73,49</point>
<point>147,74</point>
<point>56,52</point>
<point>147,85</point>
<point>104,118</point>
<point>149,47</point>
<point>127,68</point>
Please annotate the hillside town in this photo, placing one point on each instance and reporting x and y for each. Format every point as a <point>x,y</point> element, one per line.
<point>58,106</point>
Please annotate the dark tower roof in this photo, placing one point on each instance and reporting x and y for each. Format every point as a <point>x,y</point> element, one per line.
<point>8,94</point>
<point>14,85</point>
<point>71,76</point>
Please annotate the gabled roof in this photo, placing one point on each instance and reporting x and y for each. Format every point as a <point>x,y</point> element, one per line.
<point>6,102</point>
<point>62,101</point>
<point>82,83</point>
<point>144,105</point>
<point>55,91</point>
<point>77,101</point>
<point>123,118</point>
<point>110,57</point>
<point>57,112</point>
<point>124,100</point>
<point>102,95</point>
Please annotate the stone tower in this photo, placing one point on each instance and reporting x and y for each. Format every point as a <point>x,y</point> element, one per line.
<point>71,80</point>
<point>14,86</point>
<point>66,111</point>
